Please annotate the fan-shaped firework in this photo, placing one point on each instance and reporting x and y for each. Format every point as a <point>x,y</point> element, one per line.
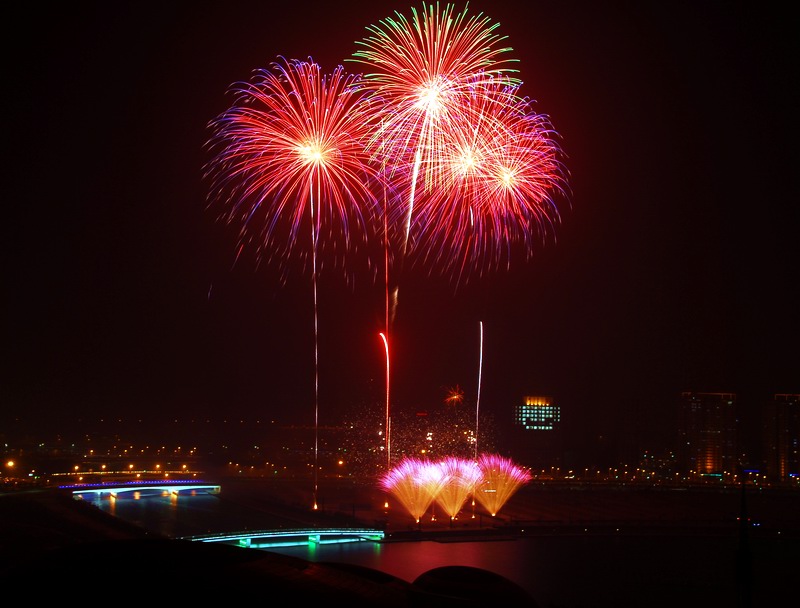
<point>501,479</point>
<point>459,479</point>
<point>414,483</point>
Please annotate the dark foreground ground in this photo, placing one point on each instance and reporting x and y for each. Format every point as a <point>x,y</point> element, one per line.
<point>51,543</point>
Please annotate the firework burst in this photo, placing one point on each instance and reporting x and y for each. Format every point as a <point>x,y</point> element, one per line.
<point>476,172</point>
<point>504,171</point>
<point>421,69</point>
<point>455,396</point>
<point>288,153</point>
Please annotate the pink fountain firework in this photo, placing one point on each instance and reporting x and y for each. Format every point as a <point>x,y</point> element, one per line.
<point>501,480</point>
<point>417,483</point>
<point>460,478</point>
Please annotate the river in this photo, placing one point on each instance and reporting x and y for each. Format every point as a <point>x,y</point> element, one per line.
<point>567,568</point>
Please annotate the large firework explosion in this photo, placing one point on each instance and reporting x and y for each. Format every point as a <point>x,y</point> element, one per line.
<point>433,151</point>
<point>474,170</point>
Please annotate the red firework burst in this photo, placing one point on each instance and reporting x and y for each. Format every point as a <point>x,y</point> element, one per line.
<point>289,153</point>
<point>475,171</point>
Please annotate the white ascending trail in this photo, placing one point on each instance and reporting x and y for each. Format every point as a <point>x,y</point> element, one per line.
<point>387,430</point>
<point>478,401</point>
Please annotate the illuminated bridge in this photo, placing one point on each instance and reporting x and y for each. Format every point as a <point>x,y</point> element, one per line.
<point>159,487</point>
<point>263,539</point>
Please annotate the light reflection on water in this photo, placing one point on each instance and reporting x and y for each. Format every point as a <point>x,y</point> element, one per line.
<point>559,571</point>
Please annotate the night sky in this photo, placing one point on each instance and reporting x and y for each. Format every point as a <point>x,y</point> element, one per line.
<point>674,267</point>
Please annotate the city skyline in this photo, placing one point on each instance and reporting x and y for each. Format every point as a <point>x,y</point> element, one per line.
<point>670,270</point>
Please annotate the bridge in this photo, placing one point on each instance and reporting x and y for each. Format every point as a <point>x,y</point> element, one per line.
<point>158,487</point>
<point>294,537</point>
<point>258,539</point>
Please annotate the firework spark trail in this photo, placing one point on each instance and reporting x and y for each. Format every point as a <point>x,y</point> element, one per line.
<point>293,139</point>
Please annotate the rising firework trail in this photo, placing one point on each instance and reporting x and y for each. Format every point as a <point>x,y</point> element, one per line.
<point>287,154</point>
<point>387,427</point>
<point>478,400</point>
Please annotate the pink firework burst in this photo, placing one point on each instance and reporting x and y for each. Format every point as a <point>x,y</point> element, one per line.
<point>421,71</point>
<point>476,172</point>
<point>505,173</point>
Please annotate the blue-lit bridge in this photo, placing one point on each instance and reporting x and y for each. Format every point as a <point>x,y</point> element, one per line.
<point>294,537</point>
<point>160,486</point>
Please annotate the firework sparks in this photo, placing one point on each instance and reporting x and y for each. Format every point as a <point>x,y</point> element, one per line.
<point>492,480</point>
<point>423,69</point>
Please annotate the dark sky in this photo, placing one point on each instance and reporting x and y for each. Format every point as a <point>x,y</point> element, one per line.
<point>675,265</point>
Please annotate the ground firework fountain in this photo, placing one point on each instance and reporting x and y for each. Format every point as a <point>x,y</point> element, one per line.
<point>417,484</point>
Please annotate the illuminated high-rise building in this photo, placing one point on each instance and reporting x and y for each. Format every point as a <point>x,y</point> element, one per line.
<point>707,431</point>
<point>782,437</point>
<point>537,432</point>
